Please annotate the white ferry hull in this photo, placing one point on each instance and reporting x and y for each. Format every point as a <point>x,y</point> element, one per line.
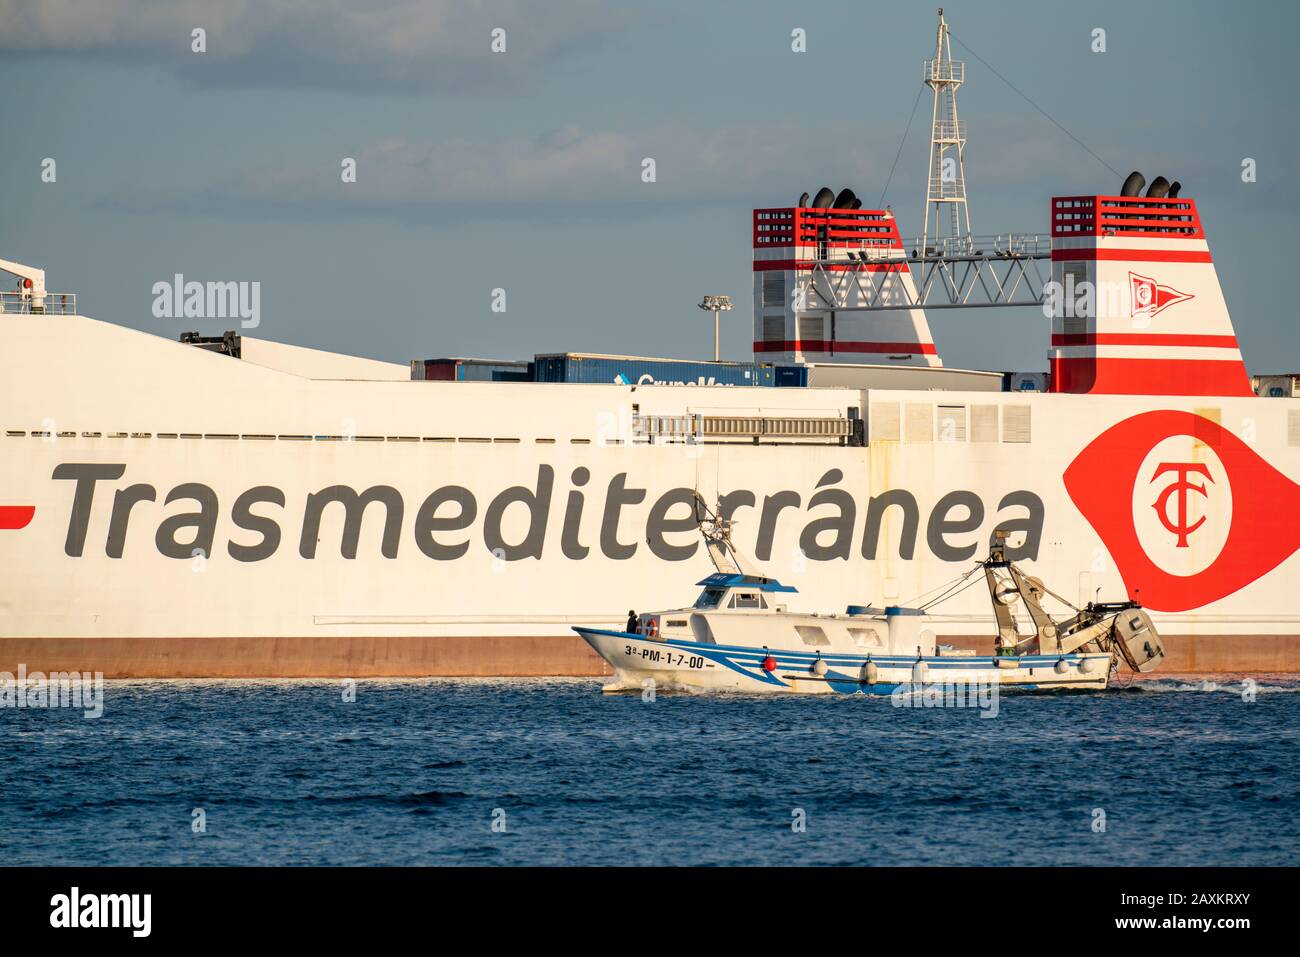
<point>110,563</point>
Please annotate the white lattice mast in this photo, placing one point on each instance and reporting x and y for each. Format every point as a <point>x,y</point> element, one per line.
<point>946,177</point>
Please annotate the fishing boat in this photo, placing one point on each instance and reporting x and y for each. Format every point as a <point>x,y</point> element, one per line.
<point>739,635</point>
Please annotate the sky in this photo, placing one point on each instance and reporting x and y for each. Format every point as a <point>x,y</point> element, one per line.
<point>522,170</point>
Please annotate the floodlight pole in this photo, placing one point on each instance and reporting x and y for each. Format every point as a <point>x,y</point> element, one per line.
<point>716,305</point>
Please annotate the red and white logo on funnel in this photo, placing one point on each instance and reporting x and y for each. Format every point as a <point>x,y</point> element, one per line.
<point>1150,298</point>
<point>1189,512</point>
<point>1179,524</point>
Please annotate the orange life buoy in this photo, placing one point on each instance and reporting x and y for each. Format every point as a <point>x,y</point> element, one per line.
<point>652,629</point>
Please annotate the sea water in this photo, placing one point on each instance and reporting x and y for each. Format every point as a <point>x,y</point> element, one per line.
<point>1171,770</point>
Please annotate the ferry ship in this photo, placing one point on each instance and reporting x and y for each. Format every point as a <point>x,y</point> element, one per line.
<point>242,507</point>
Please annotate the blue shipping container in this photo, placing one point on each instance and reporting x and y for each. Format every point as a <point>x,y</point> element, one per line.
<point>634,370</point>
<point>792,376</point>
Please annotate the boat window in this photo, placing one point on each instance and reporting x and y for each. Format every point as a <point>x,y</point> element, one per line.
<point>812,635</point>
<point>866,637</point>
<point>709,598</point>
<point>747,599</point>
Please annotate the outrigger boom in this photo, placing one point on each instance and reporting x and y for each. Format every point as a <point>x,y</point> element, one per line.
<point>1121,628</point>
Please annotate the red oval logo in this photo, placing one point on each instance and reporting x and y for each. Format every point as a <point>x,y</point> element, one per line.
<point>1188,497</point>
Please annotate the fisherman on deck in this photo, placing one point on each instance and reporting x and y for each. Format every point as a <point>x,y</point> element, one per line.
<point>631,621</point>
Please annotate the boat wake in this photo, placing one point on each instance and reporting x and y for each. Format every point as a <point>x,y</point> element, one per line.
<point>1224,684</point>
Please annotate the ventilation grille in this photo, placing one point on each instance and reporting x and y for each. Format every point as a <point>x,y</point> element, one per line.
<point>1015,423</point>
<point>732,425</point>
<point>672,426</point>
<point>774,289</point>
<point>920,422</point>
<point>885,422</point>
<point>951,426</point>
<point>984,423</point>
<point>741,426</point>
<point>784,427</point>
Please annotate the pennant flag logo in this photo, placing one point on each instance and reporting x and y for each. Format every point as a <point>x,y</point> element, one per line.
<point>1150,298</point>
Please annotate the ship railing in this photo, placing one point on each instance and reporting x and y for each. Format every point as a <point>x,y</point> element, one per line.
<point>948,131</point>
<point>943,71</point>
<point>869,249</point>
<point>47,304</point>
<point>943,188</point>
<point>1000,245</point>
<point>951,272</point>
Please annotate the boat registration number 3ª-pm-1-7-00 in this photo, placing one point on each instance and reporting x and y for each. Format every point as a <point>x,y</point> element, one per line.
<point>672,658</point>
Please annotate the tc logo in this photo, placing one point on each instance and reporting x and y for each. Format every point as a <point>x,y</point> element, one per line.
<point>1170,559</point>
<point>1180,487</point>
<point>1151,298</point>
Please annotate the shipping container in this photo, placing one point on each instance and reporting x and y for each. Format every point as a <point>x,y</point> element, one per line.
<point>1284,386</point>
<point>853,375</point>
<point>792,376</point>
<point>471,370</point>
<point>637,370</point>
<point>1026,381</point>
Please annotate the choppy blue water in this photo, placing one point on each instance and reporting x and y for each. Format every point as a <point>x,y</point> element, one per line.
<point>414,772</point>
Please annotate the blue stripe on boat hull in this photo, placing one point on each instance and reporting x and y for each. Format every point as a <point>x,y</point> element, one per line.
<point>747,662</point>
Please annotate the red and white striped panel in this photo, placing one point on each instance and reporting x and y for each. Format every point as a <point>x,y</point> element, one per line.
<point>1158,323</point>
<point>806,245</point>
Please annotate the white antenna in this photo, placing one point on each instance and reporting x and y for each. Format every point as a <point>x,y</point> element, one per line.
<point>946,177</point>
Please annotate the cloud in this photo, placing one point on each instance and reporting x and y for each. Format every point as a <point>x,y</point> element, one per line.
<point>574,172</point>
<point>403,45</point>
<point>568,171</point>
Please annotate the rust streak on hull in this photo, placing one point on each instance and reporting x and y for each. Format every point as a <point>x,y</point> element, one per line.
<point>478,656</point>
<point>315,657</point>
